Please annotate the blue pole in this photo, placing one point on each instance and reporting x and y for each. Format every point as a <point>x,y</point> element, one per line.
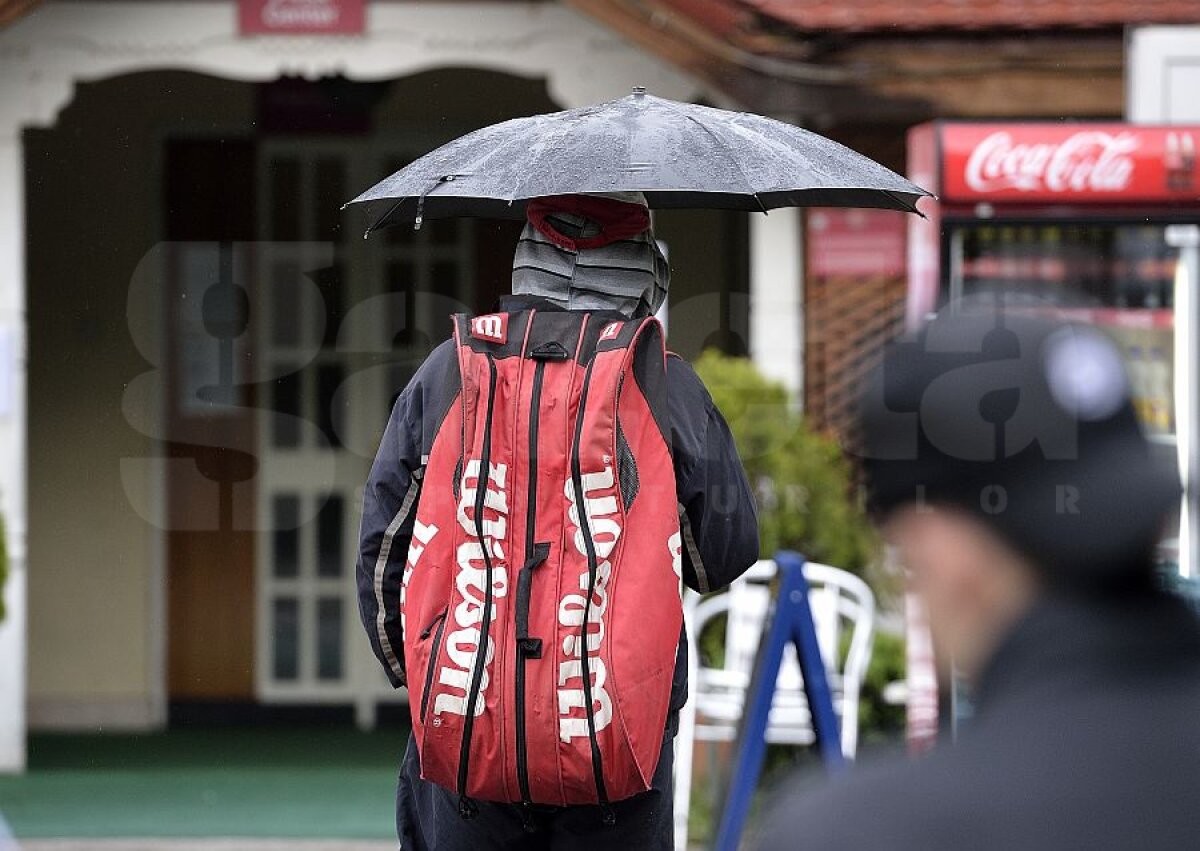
<point>790,619</point>
<point>794,588</point>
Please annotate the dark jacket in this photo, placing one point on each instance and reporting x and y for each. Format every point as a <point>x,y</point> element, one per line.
<point>1086,736</point>
<point>720,537</point>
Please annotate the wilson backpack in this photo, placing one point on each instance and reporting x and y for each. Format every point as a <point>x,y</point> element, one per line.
<point>541,598</point>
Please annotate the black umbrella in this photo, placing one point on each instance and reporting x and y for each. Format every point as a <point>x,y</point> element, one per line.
<point>676,154</point>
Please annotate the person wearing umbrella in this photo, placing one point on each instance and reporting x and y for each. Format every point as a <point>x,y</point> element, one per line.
<point>576,253</point>
<point>1005,460</point>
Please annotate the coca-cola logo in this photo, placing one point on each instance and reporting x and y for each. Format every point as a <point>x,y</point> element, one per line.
<point>1088,161</point>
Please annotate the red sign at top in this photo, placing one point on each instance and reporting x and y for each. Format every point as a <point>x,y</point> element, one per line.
<point>292,17</point>
<point>1069,162</point>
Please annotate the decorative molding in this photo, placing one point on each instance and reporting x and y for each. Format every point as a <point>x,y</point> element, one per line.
<point>43,55</point>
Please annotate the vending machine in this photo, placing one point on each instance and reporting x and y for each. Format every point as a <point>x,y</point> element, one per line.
<point>1076,217</point>
<point>1090,222</point>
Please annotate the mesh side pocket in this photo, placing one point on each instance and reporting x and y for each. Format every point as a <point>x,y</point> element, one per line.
<point>627,474</point>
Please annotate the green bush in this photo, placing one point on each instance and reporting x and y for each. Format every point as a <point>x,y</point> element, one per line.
<point>879,720</point>
<point>806,502</point>
<point>802,482</point>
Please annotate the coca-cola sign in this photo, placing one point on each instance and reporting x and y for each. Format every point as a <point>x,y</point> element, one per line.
<point>1090,160</point>
<point>1061,162</point>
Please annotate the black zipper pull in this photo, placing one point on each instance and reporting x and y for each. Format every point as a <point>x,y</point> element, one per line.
<point>607,814</point>
<point>527,821</point>
<point>427,631</point>
<point>467,808</point>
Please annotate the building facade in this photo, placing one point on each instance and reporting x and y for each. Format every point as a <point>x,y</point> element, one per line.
<point>198,352</point>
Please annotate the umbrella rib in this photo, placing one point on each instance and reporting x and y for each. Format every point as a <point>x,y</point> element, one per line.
<point>479,164</point>
<point>495,153</point>
<point>762,138</point>
<point>724,146</point>
<point>375,225</point>
<point>912,205</point>
<point>544,146</point>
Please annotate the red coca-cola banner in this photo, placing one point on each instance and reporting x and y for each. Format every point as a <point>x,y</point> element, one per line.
<point>1069,162</point>
<point>291,17</point>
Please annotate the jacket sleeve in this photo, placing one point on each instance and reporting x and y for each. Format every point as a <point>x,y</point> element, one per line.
<point>390,500</point>
<point>718,519</point>
<point>389,509</point>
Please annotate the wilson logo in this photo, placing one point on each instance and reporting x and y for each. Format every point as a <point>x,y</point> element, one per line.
<point>462,645</point>
<point>422,534</point>
<point>611,330</point>
<point>600,502</point>
<point>675,548</point>
<point>493,327</point>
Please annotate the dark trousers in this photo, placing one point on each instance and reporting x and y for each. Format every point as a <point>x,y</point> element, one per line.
<point>427,818</point>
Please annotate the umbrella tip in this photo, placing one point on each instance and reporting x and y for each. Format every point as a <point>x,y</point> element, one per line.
<point>639,91</point>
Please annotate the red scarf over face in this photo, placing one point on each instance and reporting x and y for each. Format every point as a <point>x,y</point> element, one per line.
<point>617,220</point>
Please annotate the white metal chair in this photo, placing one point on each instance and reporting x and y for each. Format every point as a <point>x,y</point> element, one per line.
<point>841,603</point>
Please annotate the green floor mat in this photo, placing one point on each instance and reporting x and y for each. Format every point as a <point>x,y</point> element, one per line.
<point>315,783</point>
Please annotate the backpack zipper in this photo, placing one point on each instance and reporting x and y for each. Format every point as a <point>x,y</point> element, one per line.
<point>440,620</point>
<point>590,547</point>
<point>466,806</point>
<point>525,645</point>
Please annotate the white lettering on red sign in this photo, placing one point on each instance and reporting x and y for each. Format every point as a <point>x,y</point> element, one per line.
<point>306,14</point>
<point>462,645</point>
<point>493,327</point>
<point>267,17</point>
<point>1090,160</point>
<point>675,548</point>
<point>600,503</point>
<point>422,534</point>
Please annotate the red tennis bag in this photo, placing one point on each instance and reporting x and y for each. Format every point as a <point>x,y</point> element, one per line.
<point>541,599</point>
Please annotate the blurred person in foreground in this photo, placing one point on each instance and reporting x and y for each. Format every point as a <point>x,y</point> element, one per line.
<point>1005,464</point>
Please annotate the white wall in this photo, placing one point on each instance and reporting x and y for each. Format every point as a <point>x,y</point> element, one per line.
<point>12,432</point>
<point>776,297</point>
<point>96,616</point>
<point>1163,82</point>
<point>1163,87</point>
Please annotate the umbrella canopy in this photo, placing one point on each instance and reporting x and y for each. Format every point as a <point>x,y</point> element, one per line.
<point>676,154</point>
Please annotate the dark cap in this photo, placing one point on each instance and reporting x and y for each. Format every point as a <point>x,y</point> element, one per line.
<point>1028,424</point>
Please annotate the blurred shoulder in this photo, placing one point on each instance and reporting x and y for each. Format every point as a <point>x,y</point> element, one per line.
<point>897,805</point>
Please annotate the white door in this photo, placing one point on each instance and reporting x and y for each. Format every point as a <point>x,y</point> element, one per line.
<point>342,326</point>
